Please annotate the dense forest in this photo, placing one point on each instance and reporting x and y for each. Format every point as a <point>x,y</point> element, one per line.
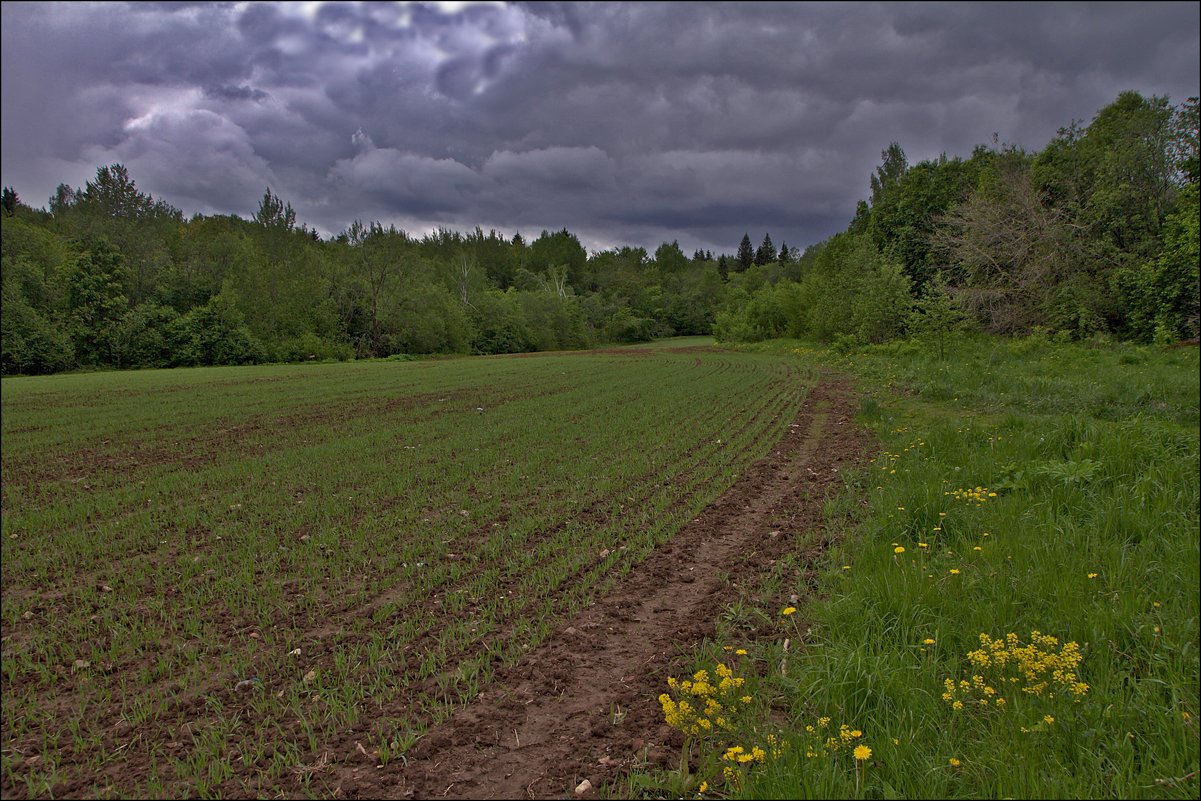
<point>1095,235</point>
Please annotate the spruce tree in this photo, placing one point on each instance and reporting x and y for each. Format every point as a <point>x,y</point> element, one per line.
<point>9,200</point>
<point>766,252</point>
<point>746,253</point>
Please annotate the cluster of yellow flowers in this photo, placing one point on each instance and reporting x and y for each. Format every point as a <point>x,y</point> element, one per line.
<point>738,754</point>
<point>704,705</point>
<point>972,494</point>
<point>738,757</point>
<point>824,740</point>
<point>1042,666</point>
<point>712,708</point>
<point>977,691</point>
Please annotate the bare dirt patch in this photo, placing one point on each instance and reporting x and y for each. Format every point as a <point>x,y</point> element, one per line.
<point>583,705</point>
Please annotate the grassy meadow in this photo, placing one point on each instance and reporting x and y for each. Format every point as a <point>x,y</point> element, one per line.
<point>1011,608</point>
<point>208,573</point>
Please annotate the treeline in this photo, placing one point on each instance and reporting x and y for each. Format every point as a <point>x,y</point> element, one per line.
<point>108,276</point>
<point>1095,235</point>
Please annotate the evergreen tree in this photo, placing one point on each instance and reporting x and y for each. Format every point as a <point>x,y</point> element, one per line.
<point>9,201</point>
<point>785,254</point>
<point>766,252</point>
<point>723,266</point>
<point>746,253</point>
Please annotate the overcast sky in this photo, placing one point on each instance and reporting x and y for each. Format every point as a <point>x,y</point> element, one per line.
<point>625,122</point>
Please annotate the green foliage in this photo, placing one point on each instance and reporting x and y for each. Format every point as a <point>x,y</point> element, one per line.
<point>427,319</point>
<point>215,333</point>
<point>29,343</point>
<point>562,248</point>
<point>907,212</point>
<point>627,326</point>
<point>500,325</point>
<point>146,337</point>
<point>1162,294</point>
<point>96,300</point>
<point>937,318</point>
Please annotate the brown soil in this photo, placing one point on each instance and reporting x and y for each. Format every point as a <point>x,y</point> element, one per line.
<point>584,705</point>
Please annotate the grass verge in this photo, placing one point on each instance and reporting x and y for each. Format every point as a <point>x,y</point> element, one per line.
<point>1043,496</point>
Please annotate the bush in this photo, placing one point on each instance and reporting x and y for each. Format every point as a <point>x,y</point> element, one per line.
<point>214,333</point>
<point>500,324</point>
<point>29,343</point>
<point>145,337</point>
<point>310,347</point>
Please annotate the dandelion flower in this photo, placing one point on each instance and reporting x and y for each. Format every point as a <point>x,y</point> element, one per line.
<point>1049,719</point>
<point>954,571</point>
<point>788,610</point>
<point>704,786</point>
<point>741,652</point>
<point>928,641</point>
<point>899,549</point>
<point>862,752</point>
<point>953,762</point>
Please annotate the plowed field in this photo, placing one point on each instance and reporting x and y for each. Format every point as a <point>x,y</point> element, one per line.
<point>433,578</point>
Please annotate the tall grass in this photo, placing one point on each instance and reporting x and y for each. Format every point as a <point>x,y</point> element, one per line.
<point>1084,528</point>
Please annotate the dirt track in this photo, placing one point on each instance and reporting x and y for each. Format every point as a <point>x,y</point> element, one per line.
<point>548,722</point>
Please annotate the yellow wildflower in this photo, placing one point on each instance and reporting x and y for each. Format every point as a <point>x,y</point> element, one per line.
<point>862,752</point>
<point>788,610</point>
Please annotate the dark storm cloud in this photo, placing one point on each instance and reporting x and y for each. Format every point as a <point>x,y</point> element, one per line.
<point>623,122</point>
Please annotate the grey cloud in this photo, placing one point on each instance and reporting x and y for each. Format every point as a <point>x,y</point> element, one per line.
<point>231,92</point>
<point>412,185</point>
<point>643,121</point>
